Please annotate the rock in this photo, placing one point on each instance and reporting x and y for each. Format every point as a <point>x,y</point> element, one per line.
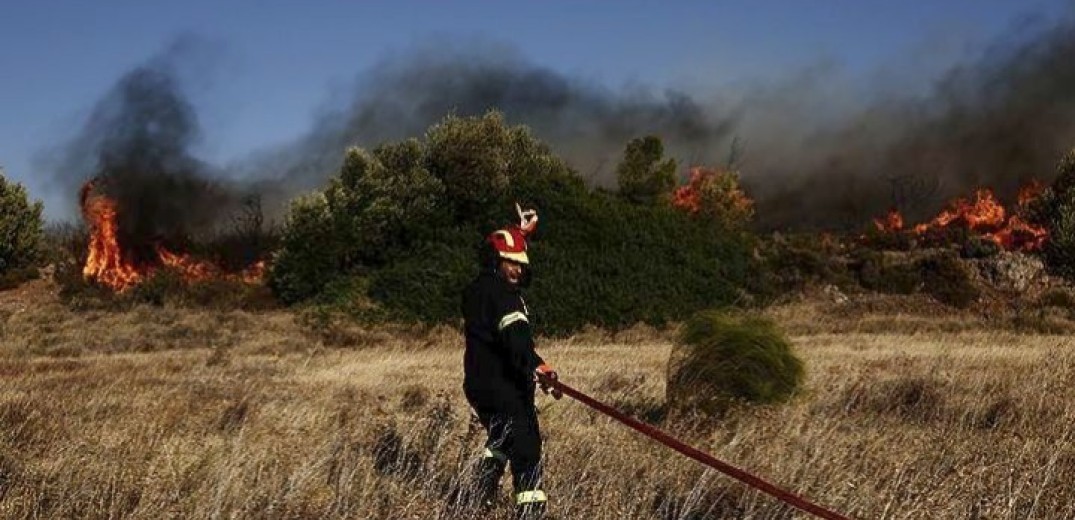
<point>1012,271</point>
<point>835,294</point>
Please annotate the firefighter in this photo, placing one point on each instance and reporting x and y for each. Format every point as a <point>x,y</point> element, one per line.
<point>501,368</point>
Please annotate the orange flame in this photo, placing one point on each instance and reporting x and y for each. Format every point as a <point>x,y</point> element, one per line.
<point>709,186</point>
<point>892,222</point>
<point>107,264</point>
<point>189,268</point>
<point>984,216</point>
<point>104,261</point>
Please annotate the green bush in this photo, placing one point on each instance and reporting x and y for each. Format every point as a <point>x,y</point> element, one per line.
<point>947,281</point>
<point>21,229</point>
<point>978,247</point>
<point>407,219</point>
<point>877,272</point>
<point>644,175</point>
<point>310,253</point>
<point>939,274</point>
<point>722,359</point>
<point>792,263</point>
<point>382,201</point>
<point>1055,209</point>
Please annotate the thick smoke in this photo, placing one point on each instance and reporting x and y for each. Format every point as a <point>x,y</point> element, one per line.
<point>135,148</point>
<point>999,121</point>
<point>813,156</point>
<point>587,124</point>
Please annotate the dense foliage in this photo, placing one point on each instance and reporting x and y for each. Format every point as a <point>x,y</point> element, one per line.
<point>400,226</point>
<point>21,228</point>
<point>1056,210</point>
<point>644,175</point>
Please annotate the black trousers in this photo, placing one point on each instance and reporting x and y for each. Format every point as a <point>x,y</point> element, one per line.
<point>513,430</point>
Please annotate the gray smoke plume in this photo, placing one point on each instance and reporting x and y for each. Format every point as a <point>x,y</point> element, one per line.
<point>135,149</point>
<point>812,159</point>
<point>587,124</point>
<point>999,121</point>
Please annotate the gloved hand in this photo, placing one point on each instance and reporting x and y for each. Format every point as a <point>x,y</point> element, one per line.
<point>528,219</point>
<point>545,373</point>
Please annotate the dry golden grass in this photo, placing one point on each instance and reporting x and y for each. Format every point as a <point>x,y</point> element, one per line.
<point>170,413</point>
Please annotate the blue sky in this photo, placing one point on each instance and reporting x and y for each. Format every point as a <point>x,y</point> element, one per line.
<point>275,63</point>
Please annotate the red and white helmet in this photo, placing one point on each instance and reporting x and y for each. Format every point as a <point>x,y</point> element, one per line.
<point>510,242</point>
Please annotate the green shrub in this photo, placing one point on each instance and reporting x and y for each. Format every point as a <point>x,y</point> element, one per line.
<point>978,247</point>
<point>791,263</point>
<point>722,359</point>
<point>1055,210</point>
<point>947,281</point>
<point>21,228</point>
<point>12,278</point>
<point>411,237</point>
<point>310,253</point>
<point>939,274</point>
<point>382,202</point>
<point>878,272</point>
<point>644,175</point>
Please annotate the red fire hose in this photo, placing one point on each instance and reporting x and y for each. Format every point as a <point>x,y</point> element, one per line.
<point>698,455</point>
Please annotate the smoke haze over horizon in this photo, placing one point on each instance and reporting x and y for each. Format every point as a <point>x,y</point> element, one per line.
<point>814,151</point>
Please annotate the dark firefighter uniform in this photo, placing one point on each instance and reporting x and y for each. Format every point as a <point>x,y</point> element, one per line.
<point>499,364</point>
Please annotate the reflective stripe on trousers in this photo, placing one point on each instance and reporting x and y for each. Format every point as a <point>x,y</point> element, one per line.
<point>530,497</point>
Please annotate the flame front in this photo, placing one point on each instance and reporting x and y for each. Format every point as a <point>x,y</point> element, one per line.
<point>892,222</point>
<point>107,264</point>
<point>984,216</point>
<point>712,186</point>
<point>104,261</point>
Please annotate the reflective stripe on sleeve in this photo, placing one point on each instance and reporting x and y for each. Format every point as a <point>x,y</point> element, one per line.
<point>508,319</point>
<point>529,497</point>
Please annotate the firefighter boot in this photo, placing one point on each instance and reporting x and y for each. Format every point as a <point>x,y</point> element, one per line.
<point>490,469</point>
<point>530,505</point>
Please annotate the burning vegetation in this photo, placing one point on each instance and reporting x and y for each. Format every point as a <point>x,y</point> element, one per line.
<point>984,216</point>
<point>716,193</point>
<point>111,264</point>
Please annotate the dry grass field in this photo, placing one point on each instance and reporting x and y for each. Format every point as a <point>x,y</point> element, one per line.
<point>178,413</point>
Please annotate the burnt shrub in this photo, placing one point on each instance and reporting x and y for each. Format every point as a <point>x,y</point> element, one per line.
<point>157,288</point>
<point>721,359</point>
<point>882,240</point>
